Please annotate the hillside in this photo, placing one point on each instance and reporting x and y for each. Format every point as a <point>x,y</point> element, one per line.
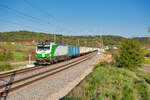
<point>93,41</point>
<point>143,40</point>
<point>22,36</point>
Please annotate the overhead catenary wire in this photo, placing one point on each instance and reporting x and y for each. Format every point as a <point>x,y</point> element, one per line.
<point>39,9</point>
<point>32,18</point>
<point>44,12</point>
<point>35,19</point>
<point>18,24</point>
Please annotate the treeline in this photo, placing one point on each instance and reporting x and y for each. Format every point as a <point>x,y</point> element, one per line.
<point>93,41</point>
<point>17,36</point>
<point>143,40</point>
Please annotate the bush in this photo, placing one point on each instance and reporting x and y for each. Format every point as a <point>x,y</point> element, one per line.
<point>102,64</point>
<point>131,54</point>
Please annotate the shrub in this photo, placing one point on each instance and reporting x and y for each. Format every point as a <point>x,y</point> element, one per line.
<point>102,64</point>
<point>131,54</point>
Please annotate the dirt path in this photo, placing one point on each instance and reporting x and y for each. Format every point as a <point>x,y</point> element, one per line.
<point>17,63</point>
<point>103,57</point>
<point>146,68</point>
<point>21,63</point>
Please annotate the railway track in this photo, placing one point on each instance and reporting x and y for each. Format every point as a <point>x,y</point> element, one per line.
<point>15,84</point>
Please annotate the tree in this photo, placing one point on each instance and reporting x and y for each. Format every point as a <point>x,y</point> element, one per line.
<point>131,54</point>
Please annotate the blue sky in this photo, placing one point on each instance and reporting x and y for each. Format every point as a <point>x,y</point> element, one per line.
<point>127,18</point>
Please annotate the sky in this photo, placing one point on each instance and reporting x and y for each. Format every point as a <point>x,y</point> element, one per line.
<point>128,18</point>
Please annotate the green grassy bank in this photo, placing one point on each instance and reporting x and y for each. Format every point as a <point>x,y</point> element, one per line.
<point>10,53</point>
<point>147,60</point>
<point>15,53</point>
<point>111,83</point>
<point>7,67</point>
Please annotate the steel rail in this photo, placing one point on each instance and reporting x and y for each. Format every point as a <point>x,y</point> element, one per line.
<point>21,71</point>
<point>52,72</point>
<point>2,86</point>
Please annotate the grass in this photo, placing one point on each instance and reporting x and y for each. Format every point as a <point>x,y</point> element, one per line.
<point>147,60</point>
<point>19,51</point>
<point>7,67</point>
<point>142,74</point>
<point>19,56</point>
<point>15,46</point>
<point>110,83</point>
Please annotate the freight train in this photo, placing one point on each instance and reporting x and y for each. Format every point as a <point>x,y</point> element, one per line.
<point>51,52</point>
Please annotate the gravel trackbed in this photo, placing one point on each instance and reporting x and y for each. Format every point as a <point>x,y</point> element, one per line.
<point>56,86</point>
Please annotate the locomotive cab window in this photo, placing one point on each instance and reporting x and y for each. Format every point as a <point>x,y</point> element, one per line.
<point>46,47</point>
<point>43,47</point>
<point>40,47</point>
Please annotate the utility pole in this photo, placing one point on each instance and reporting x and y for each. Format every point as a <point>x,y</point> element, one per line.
<point>54,35</point>
<point>78,42</point>
<point>101,41</point>
<point>61,37</point>
<point>49,37</point>
<point>85,43</point>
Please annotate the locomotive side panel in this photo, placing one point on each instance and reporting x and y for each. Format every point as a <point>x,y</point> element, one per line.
<point>61,50</point>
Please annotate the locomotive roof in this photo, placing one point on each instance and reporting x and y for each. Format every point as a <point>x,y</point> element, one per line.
<point>50,42</point>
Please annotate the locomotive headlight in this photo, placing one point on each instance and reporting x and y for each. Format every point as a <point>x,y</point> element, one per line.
<point>43,55</point>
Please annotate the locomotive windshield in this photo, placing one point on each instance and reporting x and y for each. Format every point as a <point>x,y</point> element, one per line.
<point>43,47</point>
<point>46,47</point>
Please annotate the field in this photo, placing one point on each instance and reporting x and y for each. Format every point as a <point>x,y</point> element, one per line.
<point>13,53</point>
<point>18,51</point>
<point>147,60</point>
<point>112,83</point>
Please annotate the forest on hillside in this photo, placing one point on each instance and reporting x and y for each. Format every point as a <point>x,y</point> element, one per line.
<point>18,36</point>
